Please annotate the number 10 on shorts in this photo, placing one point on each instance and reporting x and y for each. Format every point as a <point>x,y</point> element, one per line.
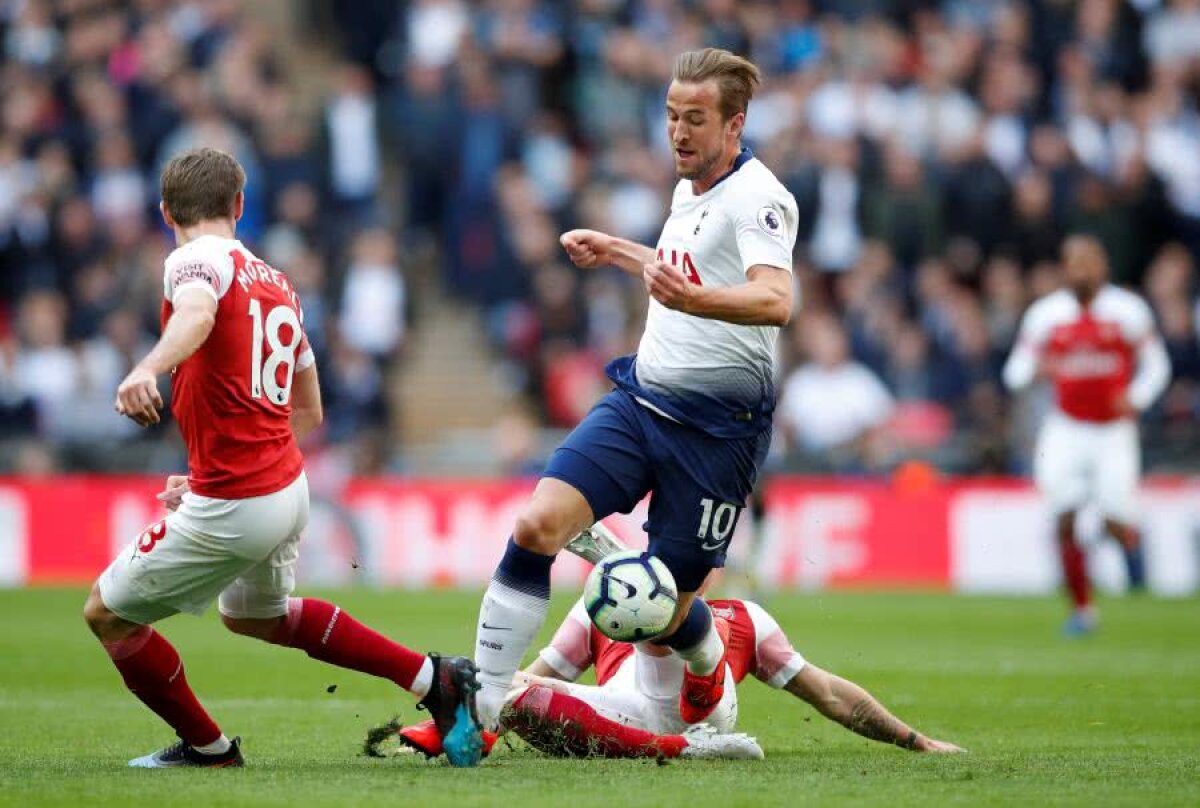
<point>716,523</point>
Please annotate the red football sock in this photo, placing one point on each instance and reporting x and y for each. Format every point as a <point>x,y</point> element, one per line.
<point>558,724</point>
<point>153,672</point>
<point>325,632</point>
<point>1074,564</point>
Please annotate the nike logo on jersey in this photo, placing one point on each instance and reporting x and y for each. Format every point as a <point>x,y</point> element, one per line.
<point>495,628</point>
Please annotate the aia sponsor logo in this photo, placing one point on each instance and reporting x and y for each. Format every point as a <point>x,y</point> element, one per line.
<point>681,260</point>
<point>152,536</point>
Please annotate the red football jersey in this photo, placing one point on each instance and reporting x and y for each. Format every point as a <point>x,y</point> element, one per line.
<point>1093,363</point>
<point>1092,350</point>
<point>742,655</point>
<point>232,398</point>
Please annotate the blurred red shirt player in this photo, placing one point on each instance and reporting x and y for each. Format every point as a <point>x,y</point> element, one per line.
<point>244,391</point>
<point>1098,346</point>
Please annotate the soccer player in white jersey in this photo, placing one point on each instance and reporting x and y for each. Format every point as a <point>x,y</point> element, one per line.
<point>1097,345</point>
<point>633,709</point>
<point>244,392</point>
<point>690,419</point>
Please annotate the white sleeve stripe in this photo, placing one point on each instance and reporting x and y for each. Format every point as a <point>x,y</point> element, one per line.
<point>194,284</point>
<point>306,360</point>
<point>554,658</point>
<point>785,674</point>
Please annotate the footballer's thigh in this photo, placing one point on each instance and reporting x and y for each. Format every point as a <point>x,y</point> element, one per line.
<point>603,467</point>
<point>701,487</point>
<point>1062,461</point>
<point>183,562</point>
<point>262,591</point>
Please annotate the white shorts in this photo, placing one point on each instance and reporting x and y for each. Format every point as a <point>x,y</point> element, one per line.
<point>644,694</point>
<point>1077,463</point>
<point>242,550</point>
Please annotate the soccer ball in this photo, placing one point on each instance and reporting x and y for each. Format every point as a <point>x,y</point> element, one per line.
<point>630,596</point>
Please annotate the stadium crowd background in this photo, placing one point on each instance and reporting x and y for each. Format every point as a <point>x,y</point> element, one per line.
<point>939,152</point>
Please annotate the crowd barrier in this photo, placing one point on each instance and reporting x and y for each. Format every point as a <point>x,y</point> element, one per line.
<point>979,535</point>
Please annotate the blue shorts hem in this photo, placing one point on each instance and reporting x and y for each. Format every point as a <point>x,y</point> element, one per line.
<point>585,482</point>
<point>689,564</point>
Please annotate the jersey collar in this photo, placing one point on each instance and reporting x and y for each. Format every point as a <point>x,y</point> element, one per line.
<point>744,156</point>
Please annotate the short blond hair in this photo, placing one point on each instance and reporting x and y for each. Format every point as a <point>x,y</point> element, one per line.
<point>736,76</point>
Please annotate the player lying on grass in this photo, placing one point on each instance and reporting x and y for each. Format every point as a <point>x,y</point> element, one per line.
<point>633,711</point>
<point>244,391</point>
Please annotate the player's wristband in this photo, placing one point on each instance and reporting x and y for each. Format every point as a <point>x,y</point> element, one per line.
<point>911,741</point>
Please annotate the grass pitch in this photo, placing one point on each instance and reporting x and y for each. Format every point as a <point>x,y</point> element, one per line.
<point>1113,719</point>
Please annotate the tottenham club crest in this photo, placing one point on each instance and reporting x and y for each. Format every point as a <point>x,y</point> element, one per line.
<point>768,219</point>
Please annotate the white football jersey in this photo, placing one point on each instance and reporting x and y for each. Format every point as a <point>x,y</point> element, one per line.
<point>747,219</point>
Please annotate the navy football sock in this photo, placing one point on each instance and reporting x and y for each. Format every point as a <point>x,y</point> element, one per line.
<point>696,640</point>
<point>1135,565</point>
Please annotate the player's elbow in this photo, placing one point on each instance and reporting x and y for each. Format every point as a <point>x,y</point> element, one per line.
<point>314,415</point>
<point>202,320</point>
<point>779,314</point>
<point>306,420</point>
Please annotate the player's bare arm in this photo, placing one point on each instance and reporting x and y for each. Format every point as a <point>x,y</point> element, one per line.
<point>195,313</point>
<point>589,249</point>
<point>765,299</point>
<point>857,710</point>
<point>307,412</point>
<point>539,668</point>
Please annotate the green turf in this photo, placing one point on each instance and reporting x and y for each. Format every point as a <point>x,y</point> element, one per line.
<point>1108,720</point>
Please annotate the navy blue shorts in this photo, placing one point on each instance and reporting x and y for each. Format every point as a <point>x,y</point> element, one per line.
<point>698,484</point>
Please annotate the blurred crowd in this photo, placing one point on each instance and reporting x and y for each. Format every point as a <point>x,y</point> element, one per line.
<point>939,150</point>
<point>95,97</point>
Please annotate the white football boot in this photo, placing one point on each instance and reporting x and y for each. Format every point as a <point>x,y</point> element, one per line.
<point>705,743</point>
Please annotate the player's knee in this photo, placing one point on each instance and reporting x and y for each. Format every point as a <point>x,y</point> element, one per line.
<point>103,623</point>
<point>260,629</point>
<point>540,530</point>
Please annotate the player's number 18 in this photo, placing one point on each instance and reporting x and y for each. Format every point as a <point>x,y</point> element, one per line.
<point>265,375</point>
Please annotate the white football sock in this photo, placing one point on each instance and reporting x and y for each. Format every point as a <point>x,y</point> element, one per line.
<point>704,657</point>
<point>423,680</point>
<point>509,620</point>
<point>218,747</point>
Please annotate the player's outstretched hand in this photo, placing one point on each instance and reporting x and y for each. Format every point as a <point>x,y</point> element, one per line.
<point>936,747</point>
<point>138,398</point>
<point>172,495</point>
<point>667,285</point>
<point>585,248</point>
